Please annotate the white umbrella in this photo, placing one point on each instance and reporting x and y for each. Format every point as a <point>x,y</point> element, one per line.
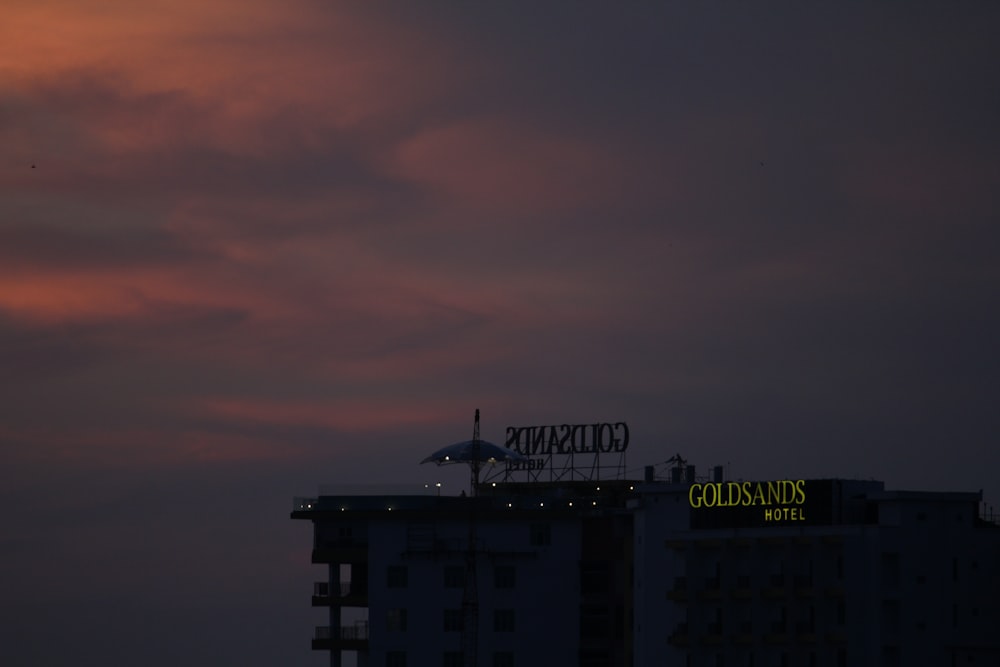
<point>473,450</point>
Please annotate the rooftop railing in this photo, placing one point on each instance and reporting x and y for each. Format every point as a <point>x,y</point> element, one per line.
<point>380,489</point>
<point>989,514</point>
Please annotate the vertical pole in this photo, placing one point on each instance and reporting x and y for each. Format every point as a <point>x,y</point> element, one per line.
<point>470,595</point>
<point>335,615</point>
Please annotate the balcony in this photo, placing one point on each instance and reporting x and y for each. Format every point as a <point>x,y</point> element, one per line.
<point>679,592</point>
<point>351,594</point>
<point>804,585</point>
<point>836,637</point>
<point>776,587</point>
<point>714,636</point>
<point>679,637</point>
<point>742,590</point>
<point>349,637</point>
<point>342,550</point>
<point>712,590</point>
<point>805,631</point>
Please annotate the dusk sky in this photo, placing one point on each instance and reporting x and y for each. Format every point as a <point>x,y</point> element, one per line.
<point>252,247</point>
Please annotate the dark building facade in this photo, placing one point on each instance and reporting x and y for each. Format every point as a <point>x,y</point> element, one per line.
<point>686,572</point>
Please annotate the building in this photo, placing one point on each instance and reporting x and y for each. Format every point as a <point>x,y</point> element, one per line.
<point>856,576</point>
<point>679,571</point>
<point>552,568</point>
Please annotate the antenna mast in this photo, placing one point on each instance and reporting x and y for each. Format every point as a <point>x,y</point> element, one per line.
<point>476,463</point>
<point>470,595</point>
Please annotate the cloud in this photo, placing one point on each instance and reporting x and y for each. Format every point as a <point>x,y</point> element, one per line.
<point>267,245</point>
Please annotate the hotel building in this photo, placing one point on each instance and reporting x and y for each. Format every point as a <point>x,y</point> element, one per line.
<point>681,571</point>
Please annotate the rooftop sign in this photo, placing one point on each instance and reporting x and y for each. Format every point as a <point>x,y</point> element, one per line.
<point>568,439</point>
<point>569,451</point>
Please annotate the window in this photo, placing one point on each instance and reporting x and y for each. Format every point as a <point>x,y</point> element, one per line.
<point>452,620</point>
<point>396,576</point>
<point>395,620</point>
<point>503,659</point>
<point>452,659</point>
<point>503,620</point>
<point>395,659</point>
<point>505,576</point>
<point>454,576</point>
<point>540,534</point>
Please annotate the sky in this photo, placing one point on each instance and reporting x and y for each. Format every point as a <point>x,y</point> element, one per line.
<point>249,248</point>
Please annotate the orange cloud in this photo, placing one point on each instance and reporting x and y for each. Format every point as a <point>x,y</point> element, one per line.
<point>190,72</point>
<point>51,295</point>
